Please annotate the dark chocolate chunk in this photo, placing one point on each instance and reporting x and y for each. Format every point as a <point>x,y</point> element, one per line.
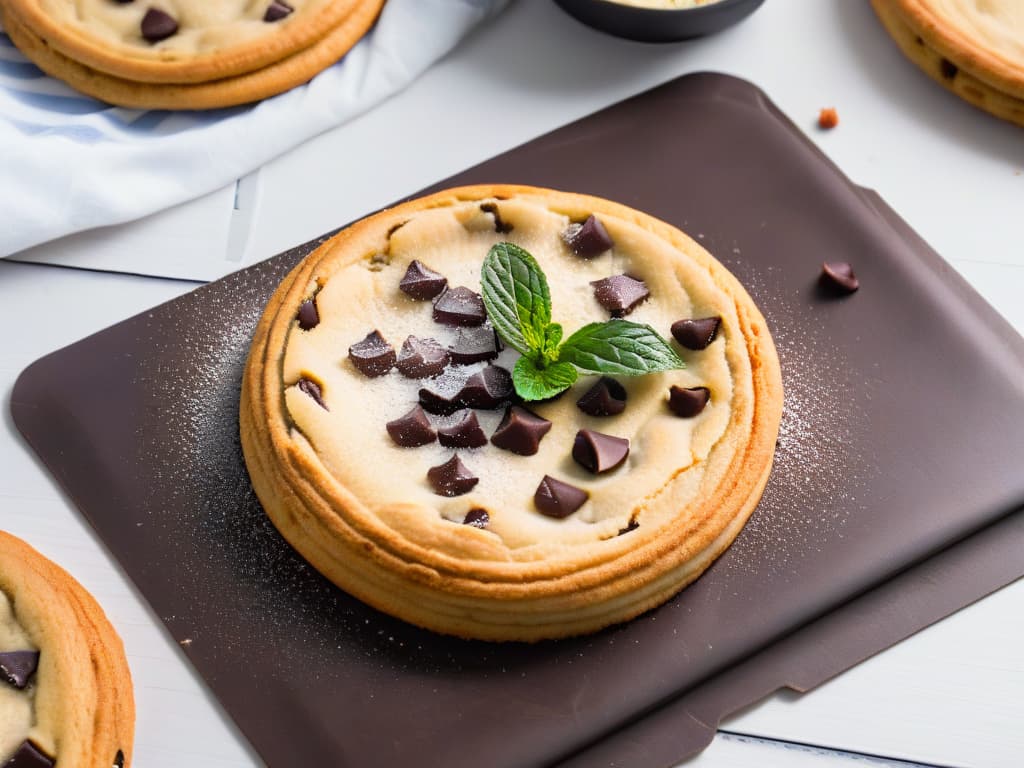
<point>632,525</point>
<point>838,277</point>
<point>697,333</point>
<point>620,294</point>
<point>473,345</point>
<point>412,430</point>
<point>452,478</point>
<point>119,759</point>
<point>29,756</point>
<point>439,397</point>
<point>421,282</point>
<point>489,388</point>
<point>477,517</point>
<point>948,69</point>
<point>311,388</point>
<point>277,11</point>
<point>588,239</point>
<point>598,452</point>
<point>421,358</point>
<point>158,25</point>
<point>464,432</point>
<point>501,226</point>
<point>308,315</point>
<point>459,306</point>
<point>606,398</point>
<point>373,356</point>
<point>520,431</point>
<point>557,499</point>
<point>687,402</point>
<point>17,667</point>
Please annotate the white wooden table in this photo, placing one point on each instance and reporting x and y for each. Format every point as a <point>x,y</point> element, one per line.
<point>951,696</point>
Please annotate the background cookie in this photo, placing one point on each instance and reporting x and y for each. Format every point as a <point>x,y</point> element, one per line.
<point>73,702</point>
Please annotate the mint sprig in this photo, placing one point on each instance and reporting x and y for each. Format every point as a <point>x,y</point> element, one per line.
<point>518,302</point>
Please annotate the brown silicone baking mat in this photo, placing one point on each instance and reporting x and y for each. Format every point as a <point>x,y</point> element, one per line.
<point>899,451</point>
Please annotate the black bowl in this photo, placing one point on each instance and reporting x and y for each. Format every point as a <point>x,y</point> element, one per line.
<point>658,25</point>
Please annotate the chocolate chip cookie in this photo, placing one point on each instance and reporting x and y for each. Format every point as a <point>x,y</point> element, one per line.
<point>510,413</point>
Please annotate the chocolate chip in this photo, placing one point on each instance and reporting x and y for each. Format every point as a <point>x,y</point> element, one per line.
<point>838,277</point>
<point>687,402</point>
<point>588,239</point>
<point>464,432</point>
<point>158,25</point>
<point>606,398</point>
<point>557,499</point>
<point>277,11</point>
<point>421,358</point>
<point>620,294</point>
<point>473,345</point>
<point>477,517</point>
<point>412,430</point>
<point>312,389</point>
<point>489,388</point>
<point>452,478</point>
<point>438,397</point>
<point>459,306</point>
<point>308,316</point>
<point>697,333</point>
<point>373,356</point>
<point>520,431</point>
<point>632,525</point>
<point>501,226</point>
<point>30,756</point>
<point>421,282</point>
<point>16,667</point>
<point>119,759</point>
<point>948,69</point>
<point>598,452</point>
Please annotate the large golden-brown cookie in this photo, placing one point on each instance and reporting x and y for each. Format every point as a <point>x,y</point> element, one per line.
<point>65,689</point>
<point>975,50</point>
<point>385,441</point>
<point>223,63</point>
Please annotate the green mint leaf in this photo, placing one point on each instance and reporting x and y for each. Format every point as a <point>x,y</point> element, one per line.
<point>533,383</point>
<point>552,337</point>
<point>619,347</point>
<point>516,296</point>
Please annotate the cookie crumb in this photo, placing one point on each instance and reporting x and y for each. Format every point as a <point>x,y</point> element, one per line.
<point>828,118</point>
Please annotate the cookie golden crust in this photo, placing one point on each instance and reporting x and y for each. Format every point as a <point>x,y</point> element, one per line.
<point>963,73</point>
<point>78,706</point>
<point>213,40</point>
<point>271,80</point>
<point>360,508</point>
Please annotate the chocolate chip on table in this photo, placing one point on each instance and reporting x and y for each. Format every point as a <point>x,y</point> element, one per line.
<point>696,333</point>
<point>312,389</point>
<point>838,277</point>
<point>598,452</point>
<point>464,432</point>
<point>620,294</point>
<point>421,358</point>
<point>421,282</point>
<point>29,756</point>
<point>452,478</point>
<point>277,11</point>
<point>520,431</point>
<point>606,398</point>
<point>474,345</point>
<point>687,402</point>
<point>555,498</point>
<point>309,317</point>
<point>489,388</point>
<point>477,517</point>
<point>372,356</point>
<point>588,239</point>
<point>17,667</point>
<point>459,306</point>
<point>412,429</point>
<point>158,25</point>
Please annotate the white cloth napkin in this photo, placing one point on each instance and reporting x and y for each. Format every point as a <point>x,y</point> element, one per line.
<point>70,163</point>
